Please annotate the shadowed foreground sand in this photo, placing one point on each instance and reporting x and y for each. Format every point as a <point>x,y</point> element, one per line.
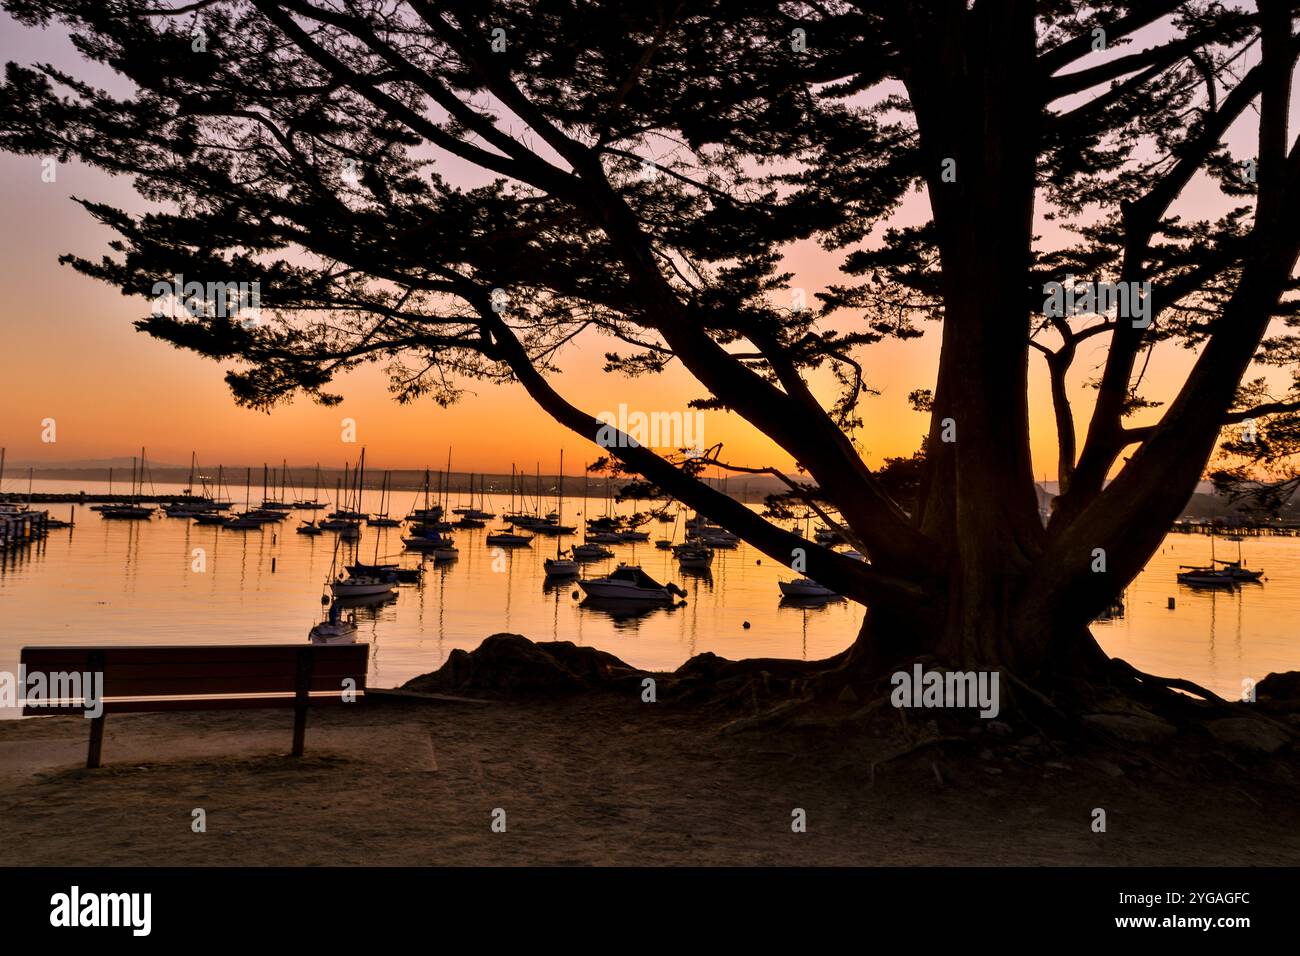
<point>594,778</point>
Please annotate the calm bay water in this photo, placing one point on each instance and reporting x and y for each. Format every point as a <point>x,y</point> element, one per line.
<point>133,582</point>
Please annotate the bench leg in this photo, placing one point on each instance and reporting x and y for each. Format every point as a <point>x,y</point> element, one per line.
<point>299,728</point>
<point>96,741</point>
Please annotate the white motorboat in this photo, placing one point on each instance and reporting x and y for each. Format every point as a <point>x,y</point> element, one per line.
<point>361,586</point>
<point>694,557</point>
<point>628,582</point>
<point>560,567</point>
<point>805,588</point>
<point>333,632</point>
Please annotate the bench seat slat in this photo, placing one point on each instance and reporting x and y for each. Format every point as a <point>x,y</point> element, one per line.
<point>114,670</point>
<point>152,655</point>
<point>152,704</point>
<point>162,686</point>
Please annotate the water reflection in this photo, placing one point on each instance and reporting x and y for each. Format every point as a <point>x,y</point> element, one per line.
<point>625,614</point>
<point>136,582</point>
<point>810,603</point>
<point>368,606</point>
<point>697,578</point>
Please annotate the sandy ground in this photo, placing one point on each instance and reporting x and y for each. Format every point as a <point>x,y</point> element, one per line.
<point>591,779</point>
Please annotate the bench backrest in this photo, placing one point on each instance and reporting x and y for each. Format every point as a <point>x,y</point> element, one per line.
<point>199,676</point>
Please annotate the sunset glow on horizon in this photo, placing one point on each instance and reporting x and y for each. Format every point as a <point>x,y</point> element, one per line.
<point>72,355</point>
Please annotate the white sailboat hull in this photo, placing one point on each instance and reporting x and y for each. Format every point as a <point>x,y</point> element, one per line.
<point>343,632</point>
<point>608,590</point>
<point>805,589</point>
<point>361,587</point>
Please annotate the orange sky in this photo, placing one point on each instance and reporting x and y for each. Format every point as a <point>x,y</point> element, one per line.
<point>69,353</point>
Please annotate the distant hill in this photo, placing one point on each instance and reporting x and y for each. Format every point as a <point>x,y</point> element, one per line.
<point>1204,503</point>
<point>79,464</point>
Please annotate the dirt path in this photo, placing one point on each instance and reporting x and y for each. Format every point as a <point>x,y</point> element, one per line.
<point>590,779</point>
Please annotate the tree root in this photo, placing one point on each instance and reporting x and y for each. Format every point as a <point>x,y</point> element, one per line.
<point>919,745</point>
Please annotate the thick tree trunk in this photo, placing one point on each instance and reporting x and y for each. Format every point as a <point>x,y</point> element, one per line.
<point>982,618</point>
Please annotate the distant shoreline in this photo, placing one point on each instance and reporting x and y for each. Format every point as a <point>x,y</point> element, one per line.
<point>406,480</point>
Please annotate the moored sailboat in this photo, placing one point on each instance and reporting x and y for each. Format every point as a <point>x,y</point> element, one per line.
<point>628,582</point>
<point>560,566</point>
<point>131,509</point>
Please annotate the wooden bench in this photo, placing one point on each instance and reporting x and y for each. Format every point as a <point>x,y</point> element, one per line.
<point>203,677</point>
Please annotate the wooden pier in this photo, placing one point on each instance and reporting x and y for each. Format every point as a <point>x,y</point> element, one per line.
<point>19,528</point>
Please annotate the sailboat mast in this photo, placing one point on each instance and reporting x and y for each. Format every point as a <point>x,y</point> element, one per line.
<point>361,478</point>
<point>143,465</point>
<point>446,483</point>
<point>559,510</point>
